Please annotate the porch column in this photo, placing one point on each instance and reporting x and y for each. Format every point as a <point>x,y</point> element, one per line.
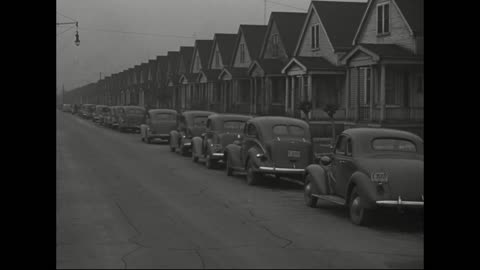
<point>292,96</point>
<point>357,111</point>
<point>286,94</point>
<point>252,96</point>
<point>382,92</point>
<point>310,94</point>
<point>347,94</point>
<point>372,96</point>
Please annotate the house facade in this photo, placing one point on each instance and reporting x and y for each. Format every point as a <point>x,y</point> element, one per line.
<point>172,78</point>
<point>198,64</point>
<point>385,78</point>
<point>246,49</point>
<point>268,82</point>
<point>187,79</point>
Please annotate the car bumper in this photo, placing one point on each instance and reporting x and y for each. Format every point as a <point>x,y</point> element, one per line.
<point>159,136</point>
<point>400,203</point>
<point>216,156</point>
<point>265,169</point>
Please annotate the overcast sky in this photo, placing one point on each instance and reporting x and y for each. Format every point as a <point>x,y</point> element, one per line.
<point>171,23</point>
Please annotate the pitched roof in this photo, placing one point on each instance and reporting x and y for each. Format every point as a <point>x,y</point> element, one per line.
<point>271,66</point>
<point>225,43</point>
<point>289,26</point>
<point>316,63</point>
<point>254,35</point>
<point>412,11</point>
<point>389,50</point>
<point>236,73</point>
<point>191,77</point>
<point>211,74</point>
<point>340,20</point>
<point>204,47</point>
<point>186,54</point>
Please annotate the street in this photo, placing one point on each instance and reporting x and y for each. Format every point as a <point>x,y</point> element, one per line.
<point>122,203</point>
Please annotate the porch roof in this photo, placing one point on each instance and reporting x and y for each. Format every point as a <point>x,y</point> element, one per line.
<point>211,74</point>
<point>382,51</point>
<point>269,66</point>
<point>311,64</point>
<point>188,77</point>
<point>235,73</point>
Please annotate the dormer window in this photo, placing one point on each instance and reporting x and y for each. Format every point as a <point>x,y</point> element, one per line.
<point>275,45</point>
<point>383,19</point>
<point>315,29</point>
<point>242,53</point>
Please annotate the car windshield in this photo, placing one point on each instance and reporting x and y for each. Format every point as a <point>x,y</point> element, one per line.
<point>163,116</point>
<point>200,121</point>
<point>134,111</point>
<point>234,125</point>
<point>393,144</point>
<point>284,130</point>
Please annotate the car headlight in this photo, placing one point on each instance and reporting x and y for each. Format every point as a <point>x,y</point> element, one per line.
<point>379,177</point>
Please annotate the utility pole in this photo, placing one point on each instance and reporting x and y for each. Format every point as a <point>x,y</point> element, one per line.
<point>100,75</point>
<point>63,94</point>
<point>265,12</point>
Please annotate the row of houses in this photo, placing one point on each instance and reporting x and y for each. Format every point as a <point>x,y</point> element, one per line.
<point>365,58</point>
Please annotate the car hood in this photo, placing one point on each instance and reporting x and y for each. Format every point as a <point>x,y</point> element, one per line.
<point>405,176</point>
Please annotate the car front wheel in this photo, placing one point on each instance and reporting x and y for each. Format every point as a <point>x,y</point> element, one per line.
<point>359,215</point>
<point>228,167</point>
<point>253,178</point>
<point>209,163</point>
<point>310,200</point>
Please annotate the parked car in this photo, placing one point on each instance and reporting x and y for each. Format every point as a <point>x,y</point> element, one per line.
<point>67,108</point>
<point>114,116</point>
<point>189,125</point>
<point>130,118</point>
<point>97,114</point>
<point>369,168</point>
<point>158,125</point>
<point>104,114</point>
<point>221,130</point>
<point>274,145</point>
<point>87,111</point>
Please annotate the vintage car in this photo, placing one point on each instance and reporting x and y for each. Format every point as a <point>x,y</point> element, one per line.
<point>114,116</point>
<point>369,168</point>
<point>87,110</point>
<point>273,145</point>
<point>221,130</point>
<point>158,125</point>
<point>67,108</point>
<point>189,125</point>
<point>130,118</point>
<point>100,112</point>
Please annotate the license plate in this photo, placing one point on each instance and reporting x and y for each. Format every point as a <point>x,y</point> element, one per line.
<point>293,154</point>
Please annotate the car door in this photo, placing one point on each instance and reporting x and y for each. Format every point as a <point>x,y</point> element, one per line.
<point>342,165</point>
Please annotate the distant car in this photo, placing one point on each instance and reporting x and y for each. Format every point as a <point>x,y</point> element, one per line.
<point>87,110</point>
<point>104,114</point>
<point>130,118</point>
<point>158,125</point>
<point>369,168</point>
<point>273,145</point>
<point>221,130</point>
<point>189,125</point>
<point>114,116</point>
<point>67,108</point>
<point>97,114</point>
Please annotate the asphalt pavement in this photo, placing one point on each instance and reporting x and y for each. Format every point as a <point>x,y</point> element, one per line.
<point>122,203</point>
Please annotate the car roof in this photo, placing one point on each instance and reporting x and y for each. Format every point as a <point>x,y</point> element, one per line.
<point>163,111</point>
<point>278,120</point>
<point>133,107</point>
<point>370,133</point>
<point>186,113</point>
<point>229,116</point>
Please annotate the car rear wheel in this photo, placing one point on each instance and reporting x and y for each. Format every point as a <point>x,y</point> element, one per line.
<point>253,178</point>
<point>307,193</point>
<point>228,167</point>
<point>359,215</point>
<point>209,163</point>
<point>194,157</point>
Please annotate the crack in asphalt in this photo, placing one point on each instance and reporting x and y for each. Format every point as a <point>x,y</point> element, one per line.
<point>201,258</point>
<point>275,235</point>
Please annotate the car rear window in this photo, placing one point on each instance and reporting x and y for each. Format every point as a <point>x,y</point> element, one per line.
<point>234,125</point>
<point>284,130</point>
<point>398,145</point>
<point>200,121</point>
<point>163,116</point>
<point>134,111</point>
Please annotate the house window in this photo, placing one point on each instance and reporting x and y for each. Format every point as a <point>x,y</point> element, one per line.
<point>217,59</point>
<point>315,36</point>
<point>242,53</point>
<point>275,45</point>
<point>383,19</point>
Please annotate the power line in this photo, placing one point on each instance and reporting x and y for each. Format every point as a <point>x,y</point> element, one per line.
<point>65,31</point>
<point>66,16</point>
<point>285,5</point>
<point>135,33</point>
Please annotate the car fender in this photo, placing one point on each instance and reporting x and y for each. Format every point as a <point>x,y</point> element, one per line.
<point>197,146</point>
<point>252,155</point>
<point>365,188</point>
<point>319,182</point>
<point>232,152</point>
<point>174,138</point>
<point>143,130</point>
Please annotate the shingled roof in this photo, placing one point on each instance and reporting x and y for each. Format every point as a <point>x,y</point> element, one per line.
<point>312,63</point>
<point>172,61</point>
<point>254,35</point>
<point>412,11</point>
<point>186,53</point>
<point>204,47</point>
<point>289,26</point>
<point>225,43</point>
<point>340,20</point>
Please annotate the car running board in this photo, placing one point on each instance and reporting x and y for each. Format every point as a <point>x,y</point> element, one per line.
<point>331,198</point>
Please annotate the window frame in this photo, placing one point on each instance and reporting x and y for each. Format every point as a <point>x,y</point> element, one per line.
<point>315,32</point>
<point>242,53</point>
<point>383,22</point>
<point>275,47</point>
<point>340,139</point>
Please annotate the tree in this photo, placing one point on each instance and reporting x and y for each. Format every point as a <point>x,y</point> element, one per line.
<point>331,109</point>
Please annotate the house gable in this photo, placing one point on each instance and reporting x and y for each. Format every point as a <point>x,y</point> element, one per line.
<point>196,62</point>
<point>215,53</point>
<point>247,58</point>
<point>255,70</point>
<point>304,46</point>
<point>268,52</point>
<point>400,32</point>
